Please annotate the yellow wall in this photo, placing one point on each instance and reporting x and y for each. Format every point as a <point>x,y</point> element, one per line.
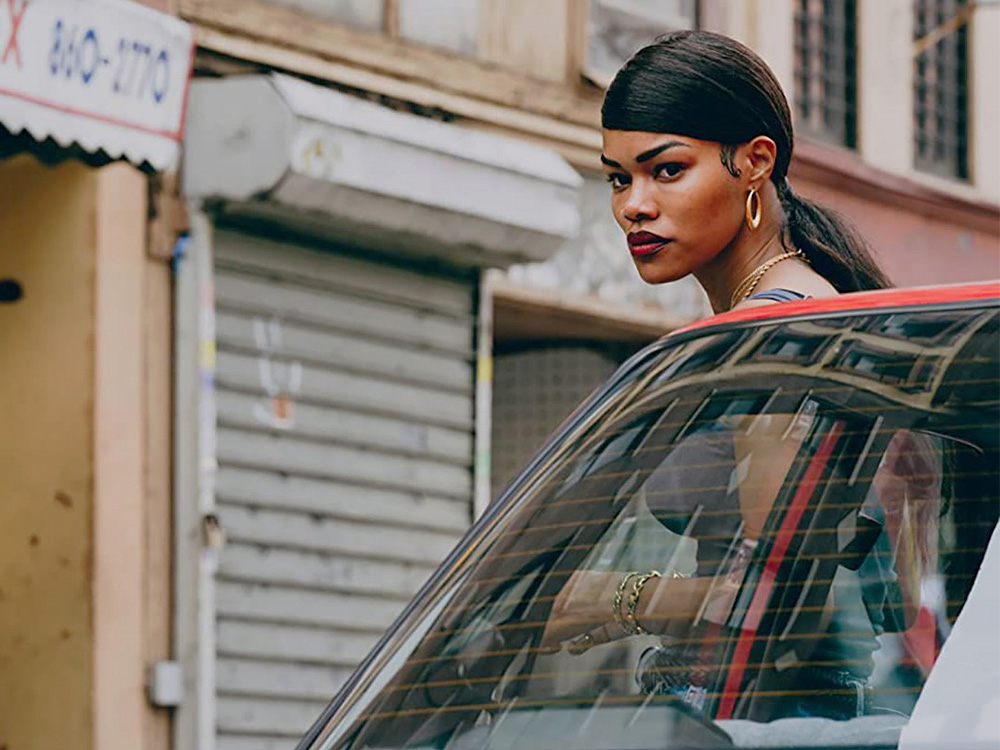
<point>84,460</point>
<point>47,241</point>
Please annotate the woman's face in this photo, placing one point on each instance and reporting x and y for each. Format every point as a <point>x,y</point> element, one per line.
<point>676,201</point>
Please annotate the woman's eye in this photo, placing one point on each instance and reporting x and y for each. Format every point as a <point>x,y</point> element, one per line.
<point>670,170</point>
<point>617,180</point>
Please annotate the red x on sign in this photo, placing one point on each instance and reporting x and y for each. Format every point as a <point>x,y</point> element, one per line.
<point>16,16</point>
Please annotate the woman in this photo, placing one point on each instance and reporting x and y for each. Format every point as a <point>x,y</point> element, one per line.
<point>697,143</point>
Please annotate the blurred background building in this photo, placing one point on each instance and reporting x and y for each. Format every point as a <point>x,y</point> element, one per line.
<point>248,411</point>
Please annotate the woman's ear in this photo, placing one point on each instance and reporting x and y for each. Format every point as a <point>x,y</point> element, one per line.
<point>760,154</point>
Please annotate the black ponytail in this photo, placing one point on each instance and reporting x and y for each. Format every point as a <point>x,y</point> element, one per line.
<point>711,87</point>
<point>834,248</point>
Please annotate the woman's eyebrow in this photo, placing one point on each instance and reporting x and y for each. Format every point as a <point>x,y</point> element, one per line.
<point>647,155</point>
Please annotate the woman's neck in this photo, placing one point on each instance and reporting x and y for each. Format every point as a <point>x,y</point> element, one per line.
<point>720,276</point>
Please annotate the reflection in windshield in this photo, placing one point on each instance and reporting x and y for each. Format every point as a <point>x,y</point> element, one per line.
<point>708,559</point>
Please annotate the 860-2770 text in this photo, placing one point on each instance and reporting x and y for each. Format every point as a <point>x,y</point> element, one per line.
<point>135,69</point>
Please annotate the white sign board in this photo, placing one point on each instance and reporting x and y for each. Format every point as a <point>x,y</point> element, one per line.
<point>109,75</point>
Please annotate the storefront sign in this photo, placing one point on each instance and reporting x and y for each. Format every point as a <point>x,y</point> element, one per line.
<point>106,74</point>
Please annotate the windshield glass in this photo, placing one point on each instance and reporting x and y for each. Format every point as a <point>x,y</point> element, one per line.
<point>762,537</point>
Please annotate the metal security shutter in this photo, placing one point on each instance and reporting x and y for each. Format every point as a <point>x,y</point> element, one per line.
<point>345,417</point>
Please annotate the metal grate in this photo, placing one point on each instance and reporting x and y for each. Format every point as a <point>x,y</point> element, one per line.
<point>534,390</point>
<point>940,93</point>
<point>826,70</point>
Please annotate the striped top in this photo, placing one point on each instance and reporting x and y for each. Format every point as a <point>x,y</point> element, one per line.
<point>779,295</point>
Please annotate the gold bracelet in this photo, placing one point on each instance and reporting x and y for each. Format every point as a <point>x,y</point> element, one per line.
<point>616,607</point>
<point>633,601</point>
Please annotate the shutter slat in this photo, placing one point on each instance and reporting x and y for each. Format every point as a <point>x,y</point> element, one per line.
<point>278,605</point>
<point>342,425</point>
<point>339,273</point>
<point>306,645</point>
<point>256,679</point>
<point>326,498</point>
<point>285,453</point>
<point>320,570</point>
<point>242,372</point>
<point>288,301</point>
<point>343,538</point>
<point>281,718</point>
<point>247,335</point>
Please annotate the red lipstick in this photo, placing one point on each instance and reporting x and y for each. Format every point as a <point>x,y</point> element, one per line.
<point>645,243</point>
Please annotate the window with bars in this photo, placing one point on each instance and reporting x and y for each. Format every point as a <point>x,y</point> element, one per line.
<point>826,99</point>
<point>940,92</point>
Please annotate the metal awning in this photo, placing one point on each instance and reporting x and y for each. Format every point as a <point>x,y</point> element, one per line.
<point>107,76</point>
<point>276,148</point>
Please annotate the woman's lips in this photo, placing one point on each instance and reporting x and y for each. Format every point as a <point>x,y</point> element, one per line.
<point>645,243</point>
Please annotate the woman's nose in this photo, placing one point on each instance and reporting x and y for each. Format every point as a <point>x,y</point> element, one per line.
<point>639,205</point>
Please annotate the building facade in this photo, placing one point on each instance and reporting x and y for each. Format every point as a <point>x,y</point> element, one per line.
<point>388,271</point>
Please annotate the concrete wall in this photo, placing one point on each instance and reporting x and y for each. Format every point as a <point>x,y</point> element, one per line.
<point>885,98</point>
<point>47,456</point>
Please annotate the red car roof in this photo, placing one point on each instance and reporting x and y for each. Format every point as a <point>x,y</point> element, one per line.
<point>989,290</point>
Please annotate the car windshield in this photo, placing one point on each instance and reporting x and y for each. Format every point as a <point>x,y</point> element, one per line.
<point>756,537</point>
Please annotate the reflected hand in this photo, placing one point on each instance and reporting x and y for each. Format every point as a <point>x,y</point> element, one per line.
<point>581,615</point>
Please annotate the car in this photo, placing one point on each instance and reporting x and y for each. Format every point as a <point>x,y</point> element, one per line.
<point>775,528</point>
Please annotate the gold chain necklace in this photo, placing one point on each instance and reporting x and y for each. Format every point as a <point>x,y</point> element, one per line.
<point>745,288</point>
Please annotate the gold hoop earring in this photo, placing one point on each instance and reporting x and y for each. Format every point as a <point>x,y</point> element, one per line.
<point>753,209</point>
